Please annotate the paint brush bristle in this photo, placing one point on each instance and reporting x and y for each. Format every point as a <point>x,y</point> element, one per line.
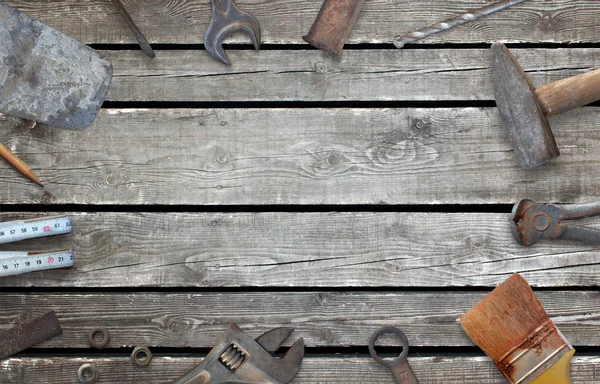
<point>513,329</point>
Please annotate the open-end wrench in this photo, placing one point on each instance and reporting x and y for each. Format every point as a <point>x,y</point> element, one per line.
<point>401,370</point>
<point>226,19</point>
<point>237,358</point>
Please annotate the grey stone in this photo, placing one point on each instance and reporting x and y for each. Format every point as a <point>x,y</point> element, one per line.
<point>47,76</point>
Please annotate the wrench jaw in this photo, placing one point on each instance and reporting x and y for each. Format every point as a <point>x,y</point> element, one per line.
<point>271,341</point>
<point>227,19</point>
<point>285,369</point>
<point>237,358</point>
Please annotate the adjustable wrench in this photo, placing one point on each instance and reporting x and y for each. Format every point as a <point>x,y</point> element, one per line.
<point>237,358</point>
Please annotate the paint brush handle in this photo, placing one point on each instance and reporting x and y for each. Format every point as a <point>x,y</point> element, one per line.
<point>557,373</point>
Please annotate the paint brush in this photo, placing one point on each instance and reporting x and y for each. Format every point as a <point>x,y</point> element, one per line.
<point>18,164</point>
<point>513,329</point>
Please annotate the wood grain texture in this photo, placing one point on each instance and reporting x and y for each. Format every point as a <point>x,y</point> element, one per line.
<point>305,250</point>
<point>304,75</point>
<point>311,156</point>
<point>331,370</point>
<point>323,319</point>
<point>284,22</point>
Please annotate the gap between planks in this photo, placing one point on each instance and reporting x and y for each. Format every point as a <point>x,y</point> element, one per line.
<point>324,319</point>
<point>279,249</point>
<point>285,22</point>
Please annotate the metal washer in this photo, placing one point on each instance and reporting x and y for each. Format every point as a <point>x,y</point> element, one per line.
<point>93,369</point>
<point>102,343</point>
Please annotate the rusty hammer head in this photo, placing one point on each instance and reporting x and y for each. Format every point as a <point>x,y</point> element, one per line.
<point>521,111</point>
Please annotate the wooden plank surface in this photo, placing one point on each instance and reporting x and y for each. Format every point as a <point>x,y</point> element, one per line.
<point>430,370</point>
<point>210,250</point>
<point>323,319</point>
<point>304,75</point>
<point>284,22</point>
<point>312,156</point>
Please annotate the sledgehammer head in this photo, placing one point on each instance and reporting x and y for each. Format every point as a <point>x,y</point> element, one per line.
<point>521,112</point>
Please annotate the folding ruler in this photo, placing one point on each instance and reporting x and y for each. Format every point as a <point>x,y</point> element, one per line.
<point>16,263</point>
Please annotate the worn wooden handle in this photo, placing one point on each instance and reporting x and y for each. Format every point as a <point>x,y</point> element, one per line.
<point>564,95</point>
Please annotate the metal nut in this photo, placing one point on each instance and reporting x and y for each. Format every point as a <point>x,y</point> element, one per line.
<point>81,374</point>
<point>103,342</point>
<point>141,356</point>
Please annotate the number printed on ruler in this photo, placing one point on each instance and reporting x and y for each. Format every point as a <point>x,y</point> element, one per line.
<point>28,229</point>
<point>11,265</point>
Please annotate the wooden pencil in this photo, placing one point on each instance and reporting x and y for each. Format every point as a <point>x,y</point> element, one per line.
<point>18,164</point>
<point>513,329</point>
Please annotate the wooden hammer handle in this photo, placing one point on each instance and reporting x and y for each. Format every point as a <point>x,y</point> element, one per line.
<point>570,93</point>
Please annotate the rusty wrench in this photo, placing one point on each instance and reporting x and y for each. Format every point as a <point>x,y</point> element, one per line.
<point>532,221</point>
<point>399,366</point>
<point>226,19</point>
<point>237,358</point>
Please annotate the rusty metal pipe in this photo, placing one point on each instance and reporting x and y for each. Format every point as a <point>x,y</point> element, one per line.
<point>332,27</point>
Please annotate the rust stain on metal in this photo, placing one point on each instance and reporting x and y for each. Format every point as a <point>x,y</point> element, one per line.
<point>333,25</point>
<point>28,334</point>
<point>533,221</point>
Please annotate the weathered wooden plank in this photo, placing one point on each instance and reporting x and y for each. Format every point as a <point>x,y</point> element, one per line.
<point>432,370</point>
<point>323,319</point>
<point>305,250</point>
<point>186,21</point>
<point>298,156</point>
<point>360,75</point>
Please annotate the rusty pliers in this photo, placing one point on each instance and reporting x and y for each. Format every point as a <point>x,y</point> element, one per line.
<point>237,358</point>
<point>226,19</point>
<point>532,221</point>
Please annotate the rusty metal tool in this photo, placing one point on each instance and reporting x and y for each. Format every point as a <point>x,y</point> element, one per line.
<point>532,221</point>
<point>144,44</point>
<point>333,25</point>
<point>524,109</point>
<point>47,76</point>
<point>237,358</point>
<point>226,19</point>
<point>28,334</point>
<point>400,41</point>
<point>399,366</point>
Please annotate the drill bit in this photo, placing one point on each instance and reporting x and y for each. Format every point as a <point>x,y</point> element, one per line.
<point>399,41</point>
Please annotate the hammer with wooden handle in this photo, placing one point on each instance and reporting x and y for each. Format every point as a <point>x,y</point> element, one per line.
<point>524,109</point>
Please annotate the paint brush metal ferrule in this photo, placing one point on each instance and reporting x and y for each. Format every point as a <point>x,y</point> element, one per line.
<point>543,349</point>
